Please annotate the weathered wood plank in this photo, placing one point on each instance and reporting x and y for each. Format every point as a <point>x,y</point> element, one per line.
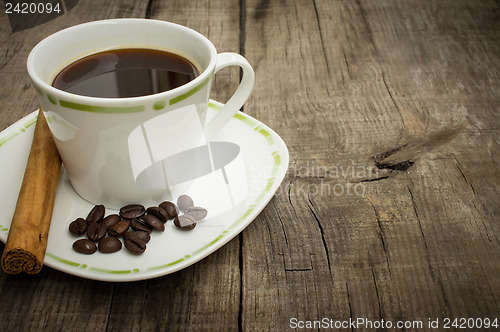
<point>383,74</point>
<point>293,274</point>
<point>52,301</point>
<point>203,295</point>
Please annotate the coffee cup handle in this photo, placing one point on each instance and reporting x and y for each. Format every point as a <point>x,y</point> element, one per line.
<point>240,95</point>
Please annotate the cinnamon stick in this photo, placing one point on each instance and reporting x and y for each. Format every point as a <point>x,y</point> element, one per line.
<point>29,230</point>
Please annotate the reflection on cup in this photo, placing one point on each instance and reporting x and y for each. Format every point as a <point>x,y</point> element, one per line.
<point>214,174</point>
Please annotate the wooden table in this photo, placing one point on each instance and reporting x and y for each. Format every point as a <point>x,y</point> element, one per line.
<point>390,207</point>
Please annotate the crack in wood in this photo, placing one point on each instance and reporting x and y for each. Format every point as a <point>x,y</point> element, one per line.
<point>376,293</point>
<point>5,64</point>
<point>289,194</point>
<point>108,316</point>
<point>321,38</point>
<point>403,157</point>
<point>375,179</point>
<point>369,30</point>
<point>243,26</point>
<point>149,9</point>
<point>459,166</point>
<point>414,204</point>
<point>482,222</point>
<point>240,268</point>
<point>397,108</point>
<point>381,234</point>
<point>349,303</point>
<point>427,254</point>
<point>144,310</point>
<point>282,226</point>
<point>348,68</point>
<point>322,231</point>
<point>299,269</point>
<point>396,166</point>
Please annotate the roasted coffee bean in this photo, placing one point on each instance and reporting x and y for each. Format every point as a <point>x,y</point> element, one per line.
<point>109,245</point>
<point>96,214</point>
<point>78,226</point>
<point>135,245</point>
<point>132,211</point>
<point>184,202</point>
<point>119,228</point>
<point>153,222</point>
<point>84,246</point>
<point>171,209</point>
<point>159,213</point>
<point>137,236</point>
<point>96,231</point>
<point>185,222</point>
<point>135,248</point>
<point>134,216</point>
<point>197,212</point>
<point>140,225</point>
<point>111,220</point>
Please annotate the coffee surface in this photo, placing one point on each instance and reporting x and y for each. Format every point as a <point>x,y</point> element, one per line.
<point>125,73</point>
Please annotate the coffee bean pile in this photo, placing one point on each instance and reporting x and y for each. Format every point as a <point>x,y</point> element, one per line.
<point>134,224</point>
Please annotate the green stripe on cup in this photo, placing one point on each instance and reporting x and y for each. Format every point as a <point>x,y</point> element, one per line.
<point>159,105</point>
<point>190,92</point>
<point>101,109</point>
<point>52,99</point>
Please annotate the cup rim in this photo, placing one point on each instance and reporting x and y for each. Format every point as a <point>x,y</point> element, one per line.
<point>204,75</point>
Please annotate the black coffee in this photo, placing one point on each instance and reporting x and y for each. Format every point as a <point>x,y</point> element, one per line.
<point>125,73</point>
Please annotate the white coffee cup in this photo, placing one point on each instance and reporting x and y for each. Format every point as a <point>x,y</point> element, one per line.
<point>112,148</point>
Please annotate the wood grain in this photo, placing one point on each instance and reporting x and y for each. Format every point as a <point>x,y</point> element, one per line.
<point>341,81</point>
<point>344,81</point>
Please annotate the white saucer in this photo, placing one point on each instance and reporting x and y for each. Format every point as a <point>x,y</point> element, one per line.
<point>266,161</point>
